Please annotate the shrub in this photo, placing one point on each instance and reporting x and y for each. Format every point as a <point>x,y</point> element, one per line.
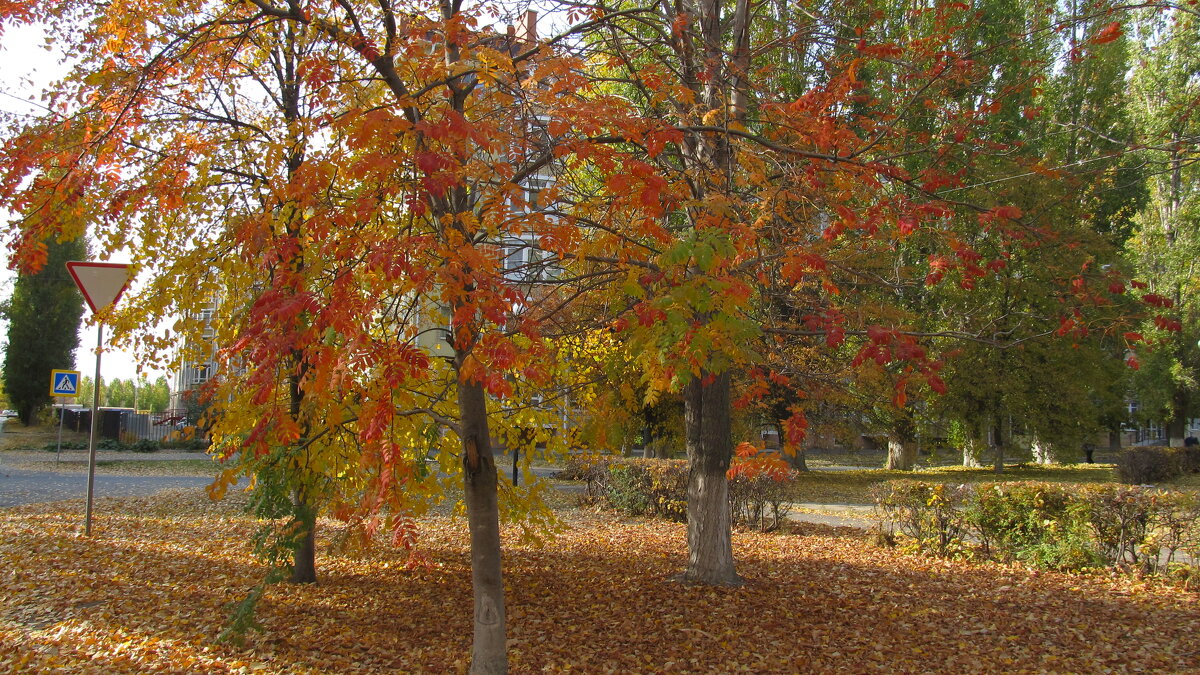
<point>668,488</point>
<point>1154,464</point>
<point>759,487</point>
<point>656,487</point>
<point>1177,524</point>
<point>1042,524</point>
<point>144,445</point>
<point>628,487</point>
<point>929,513</point>
<point>1143,529</point>
<point>109,444</point>
<point>67,445</point>
<point>591,469</point>
<point>1054,526</point>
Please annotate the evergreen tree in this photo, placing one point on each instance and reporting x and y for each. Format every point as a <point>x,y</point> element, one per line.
<point>43,328</point>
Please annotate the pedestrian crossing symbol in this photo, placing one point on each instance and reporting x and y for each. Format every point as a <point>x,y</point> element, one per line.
<point>64,382</point>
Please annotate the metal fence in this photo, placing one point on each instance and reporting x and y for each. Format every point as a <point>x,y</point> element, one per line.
<point>126,424</point>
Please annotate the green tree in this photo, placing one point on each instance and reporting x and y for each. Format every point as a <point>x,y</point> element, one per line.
<point>43,328</point>
<point>83,396</point>
<point>119,393</point>
<point>154,396</point>
<point>1166,244</point>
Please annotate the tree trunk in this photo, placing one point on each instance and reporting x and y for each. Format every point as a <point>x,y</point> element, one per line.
<point>489,652</point>
<point>972,452</point>
<point>1114,440</point>
<point>304,556</point>
<point>799,461</point>
<point>902,448</point>
<point>1177,426</point>
<point>709,449</point>
<point>902,453</point>
<point>1043,452</point>
<point>999,438</point>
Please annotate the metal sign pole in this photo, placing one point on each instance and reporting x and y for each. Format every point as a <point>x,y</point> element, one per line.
<point>62,412</point>
<point>87,519</point>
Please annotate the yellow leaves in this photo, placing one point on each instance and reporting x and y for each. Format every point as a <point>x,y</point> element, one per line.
<point>220,486</point>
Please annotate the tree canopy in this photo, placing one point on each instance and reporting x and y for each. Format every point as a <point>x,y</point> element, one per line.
<point>407,234</point>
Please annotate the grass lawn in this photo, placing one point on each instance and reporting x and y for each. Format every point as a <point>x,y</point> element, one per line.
<point>16,436</point>
<point>852,487</point>
<point>151,590</point>
<point>133,467</point>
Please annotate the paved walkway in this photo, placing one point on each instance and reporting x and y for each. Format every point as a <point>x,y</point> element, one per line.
<point>836,515</point>
<point>20,485</point>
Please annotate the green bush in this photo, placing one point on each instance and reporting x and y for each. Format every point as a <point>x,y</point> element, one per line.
<point>1042,524</point>
<point>628,487</point>
<point>67,445</point>
<point>144,445</point>
<point>758,494</point>
<point>1148,465</point>
<point>930,514</point>
<point>109,444</point>
<point>1053,526</point>
<point>656,487</point>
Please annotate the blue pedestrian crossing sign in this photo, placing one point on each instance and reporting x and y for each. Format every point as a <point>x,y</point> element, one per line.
<point>64,382</point>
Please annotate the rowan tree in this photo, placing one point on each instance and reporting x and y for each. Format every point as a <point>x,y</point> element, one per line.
<point>341,182</point>
<point>827,150</point>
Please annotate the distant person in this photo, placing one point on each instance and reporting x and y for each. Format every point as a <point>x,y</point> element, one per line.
<point>1089,450</point>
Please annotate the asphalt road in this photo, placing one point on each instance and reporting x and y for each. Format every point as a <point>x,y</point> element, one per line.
<point>23,486</point>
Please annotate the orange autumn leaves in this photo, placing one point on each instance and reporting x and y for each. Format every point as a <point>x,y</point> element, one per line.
<point>151,592</point>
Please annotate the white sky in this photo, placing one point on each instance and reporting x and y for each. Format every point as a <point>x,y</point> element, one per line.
<point>27,68</point>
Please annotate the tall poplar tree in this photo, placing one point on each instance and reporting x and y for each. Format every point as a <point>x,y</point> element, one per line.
<point>43,328</point>
<point>1163,95</point>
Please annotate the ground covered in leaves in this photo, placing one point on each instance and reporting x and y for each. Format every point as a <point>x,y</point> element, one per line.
<point>151,591</point>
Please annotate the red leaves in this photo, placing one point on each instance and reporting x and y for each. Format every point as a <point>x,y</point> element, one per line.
<point>936,384</point>
<point>648,314</point>
<point>1167,324</point>
<point>1157,300</point>
<point>749,463</point>
<point>938,266</point>
<point>1065,325</point>
<point>432,162</point>
<point>795,427</point>
<point>999,213</point>
<point>1109,33</point>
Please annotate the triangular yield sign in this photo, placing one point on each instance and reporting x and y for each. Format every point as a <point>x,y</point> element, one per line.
<point>101,283</point>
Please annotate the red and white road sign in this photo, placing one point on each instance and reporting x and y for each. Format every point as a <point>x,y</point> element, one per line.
<point>101,283</point>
